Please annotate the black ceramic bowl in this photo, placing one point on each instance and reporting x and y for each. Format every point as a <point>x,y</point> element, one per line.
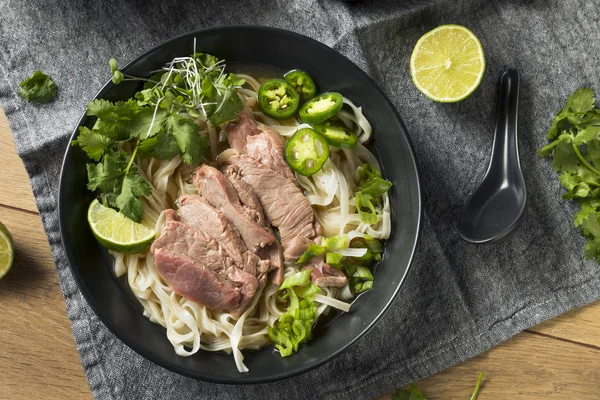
<point>112,300</point>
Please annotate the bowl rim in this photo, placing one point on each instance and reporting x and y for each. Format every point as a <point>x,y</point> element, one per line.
<point>115,329</point>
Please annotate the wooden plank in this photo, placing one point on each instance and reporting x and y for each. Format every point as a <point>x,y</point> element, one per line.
<point>580,325</point>
<point>14,182</point>
<point>529,366</point>
<point>38,357</point>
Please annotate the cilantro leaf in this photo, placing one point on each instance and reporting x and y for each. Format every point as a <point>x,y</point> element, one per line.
<point>576,158</point>
<point>92,142</point>
<point>581,101</point>
<point>565,159</point>
<point>586,134</point>
<point>147,122</point>
<point>38,87</point>
<point>185,131</point>
<point>413,393</point>
<point>593,152</point>
<point>162,146</point>
<point>105,175</point>
<point>229,108</point>
<point>132,188</point>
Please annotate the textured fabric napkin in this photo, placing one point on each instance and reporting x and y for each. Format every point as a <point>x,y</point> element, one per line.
<point>459,299</point>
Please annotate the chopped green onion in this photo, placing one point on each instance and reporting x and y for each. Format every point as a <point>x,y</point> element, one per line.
<point>333,258</point>
<point>297,279</point>
<point>335,242</point>
<point>308,290</point>
<point>365,208</point>
<point>375,187</point>
<point>360,277</point>
<point>313,250</point>
<point>295,326</point>
<point>367,172</point>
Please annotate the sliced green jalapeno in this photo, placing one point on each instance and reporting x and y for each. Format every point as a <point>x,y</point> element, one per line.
<point>278,99</point>
<point>306,152</point>
<point>321,108</point>
<point>337,134</point>
<point>302,82</point>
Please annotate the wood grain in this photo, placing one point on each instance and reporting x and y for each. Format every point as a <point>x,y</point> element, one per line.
<point>580,325</point>
<point>38,359</point>
<point>14,182</point>
<point>528,367</point>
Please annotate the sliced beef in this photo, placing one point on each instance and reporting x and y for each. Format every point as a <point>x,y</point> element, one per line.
<point>230,290</point>
<point>248,200</point>
<point>199,214</point>
<point>180,238</point>
<point>323,274</point>
<point>220,193</point>
<point>260,143</point>
<point>284,205</point>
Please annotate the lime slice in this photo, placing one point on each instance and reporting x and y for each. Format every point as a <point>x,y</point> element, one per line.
<point>7,251</point>
<point>447,63</point>
<point>117,232</point>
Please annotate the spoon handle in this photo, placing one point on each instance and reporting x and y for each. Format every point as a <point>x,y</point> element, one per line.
<point>505,147</point>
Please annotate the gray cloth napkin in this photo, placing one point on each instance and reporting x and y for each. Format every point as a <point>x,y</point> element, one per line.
<point>459,299</point>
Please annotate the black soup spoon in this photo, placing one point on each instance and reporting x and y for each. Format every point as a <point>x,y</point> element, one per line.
<point>498,205</point>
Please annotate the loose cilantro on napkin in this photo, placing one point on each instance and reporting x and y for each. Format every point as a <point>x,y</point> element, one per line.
<point>575,148</point>
<point>162,121</point>
<point>414,393</point>
<point>38,87</point>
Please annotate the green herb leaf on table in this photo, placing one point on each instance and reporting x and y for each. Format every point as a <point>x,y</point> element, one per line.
<point>414,393</point>
<point>38,87</point>
<point>575,149</point>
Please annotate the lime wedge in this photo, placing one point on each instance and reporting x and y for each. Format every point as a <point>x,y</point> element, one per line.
<point>447,63</point>
<point>117,232</point>
<point>7,251</point>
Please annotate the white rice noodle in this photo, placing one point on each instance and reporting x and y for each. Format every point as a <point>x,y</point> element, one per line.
<point>365,130</point>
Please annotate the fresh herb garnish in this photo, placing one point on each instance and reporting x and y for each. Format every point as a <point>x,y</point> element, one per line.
<point>414,393</point>
<point>38,87</point>
<point>575,147</point>
<point>161,122</point>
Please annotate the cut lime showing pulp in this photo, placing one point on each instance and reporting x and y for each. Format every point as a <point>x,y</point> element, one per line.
<point>447,63</point>
<point>7,251</point>
<point>117,232</point>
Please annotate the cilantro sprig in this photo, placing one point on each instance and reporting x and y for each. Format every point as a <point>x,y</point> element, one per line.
<point>414,393</point>
<point>38,87</point>
<point>575,148</point>
<point>161,121</point>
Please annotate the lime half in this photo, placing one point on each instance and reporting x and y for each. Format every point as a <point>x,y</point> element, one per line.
<point>117,232</point>
<point>447,63</point>
<point>7,251</point>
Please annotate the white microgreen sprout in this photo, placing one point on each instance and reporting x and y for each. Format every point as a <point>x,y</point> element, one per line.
<point>193,72</point>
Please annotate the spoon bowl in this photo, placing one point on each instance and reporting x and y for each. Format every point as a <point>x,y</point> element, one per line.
<point>498,205</point>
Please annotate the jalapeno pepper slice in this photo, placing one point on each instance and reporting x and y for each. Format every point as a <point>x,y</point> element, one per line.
<point>337,134</point>
<point>302,82</point>
<point>306,152</point>
<point>321,108</point>
<point>278,99</point>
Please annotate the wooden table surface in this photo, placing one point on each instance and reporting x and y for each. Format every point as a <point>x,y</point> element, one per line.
<point>558,359</point>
